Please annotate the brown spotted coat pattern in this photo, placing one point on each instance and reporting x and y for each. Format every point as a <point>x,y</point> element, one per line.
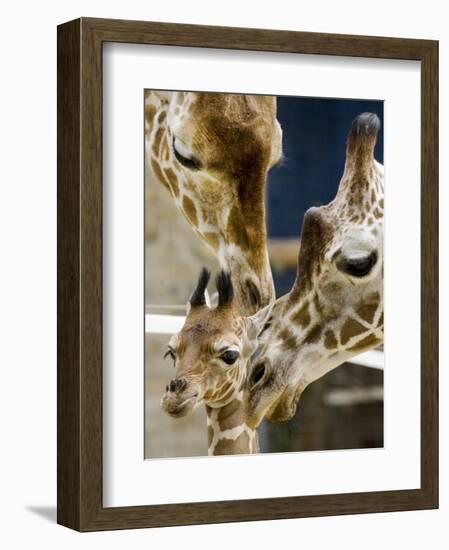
<point>335,308</point>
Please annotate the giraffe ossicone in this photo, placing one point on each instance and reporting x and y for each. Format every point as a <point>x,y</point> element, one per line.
<point>211,354</point>
<point>335,309</point>
<point>213,151</point>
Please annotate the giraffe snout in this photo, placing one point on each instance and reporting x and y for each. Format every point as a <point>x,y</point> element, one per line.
<point>176,385</point>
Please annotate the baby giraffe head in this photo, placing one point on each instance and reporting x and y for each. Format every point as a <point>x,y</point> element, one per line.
<point>335,308</point>
<point>211,352</point>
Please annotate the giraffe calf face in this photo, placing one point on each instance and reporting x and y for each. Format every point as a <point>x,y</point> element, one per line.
<point>211,352</point>
<point>209,355</point>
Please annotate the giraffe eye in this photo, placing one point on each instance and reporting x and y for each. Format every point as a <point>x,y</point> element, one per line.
<point>230,356</point>
<point>358,267</point>
<point>184,156</point>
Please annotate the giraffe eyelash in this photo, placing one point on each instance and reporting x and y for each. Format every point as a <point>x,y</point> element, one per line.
<point>170,353</point>
<point>190,162</point>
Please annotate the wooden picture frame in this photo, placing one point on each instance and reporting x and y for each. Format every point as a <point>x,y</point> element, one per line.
<point>80,504</point>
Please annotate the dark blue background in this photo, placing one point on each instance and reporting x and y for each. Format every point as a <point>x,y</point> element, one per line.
<point>314,145</point>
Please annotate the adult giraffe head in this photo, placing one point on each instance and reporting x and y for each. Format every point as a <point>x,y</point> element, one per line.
<point>210,355</point>
<point>213,151</point>
<point>335,308</point>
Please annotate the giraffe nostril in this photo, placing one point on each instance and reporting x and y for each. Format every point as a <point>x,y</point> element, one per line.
<point>177,384</point>
<point>181,383</point>
<point>257,374</point>
<point>253,293</point>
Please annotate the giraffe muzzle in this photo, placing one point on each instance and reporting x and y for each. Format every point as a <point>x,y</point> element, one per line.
<point>177,405</point>
<point>265,391</point>
<point>179,397</point>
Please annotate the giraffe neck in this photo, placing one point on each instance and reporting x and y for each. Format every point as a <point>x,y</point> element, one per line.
<point>223,207</point>
<point>321,337</point>
<point>158,148</point>
<point>205,224</point>
<point>227,430</point>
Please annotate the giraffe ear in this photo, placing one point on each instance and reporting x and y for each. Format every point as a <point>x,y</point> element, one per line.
<point>260,321</point>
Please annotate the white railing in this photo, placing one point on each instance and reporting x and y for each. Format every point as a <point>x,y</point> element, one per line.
<point>163,324</point>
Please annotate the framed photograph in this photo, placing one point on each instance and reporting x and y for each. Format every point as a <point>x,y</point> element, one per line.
<point>247,274</point>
